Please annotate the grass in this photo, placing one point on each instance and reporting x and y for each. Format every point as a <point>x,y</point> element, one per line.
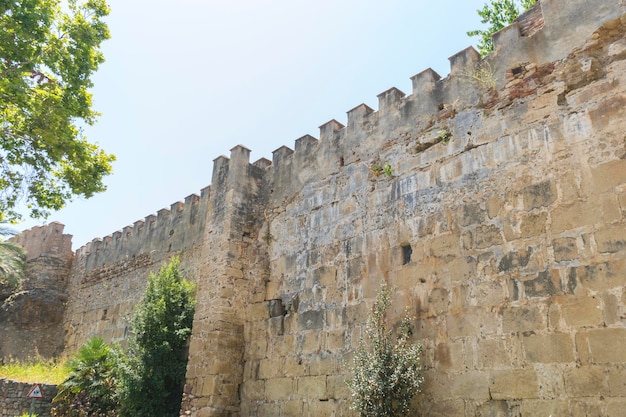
<point>35,371</point>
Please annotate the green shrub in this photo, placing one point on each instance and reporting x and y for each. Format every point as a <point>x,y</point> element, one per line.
<point>386,369</point>
<point>152,374</point>
<point>89,390</point>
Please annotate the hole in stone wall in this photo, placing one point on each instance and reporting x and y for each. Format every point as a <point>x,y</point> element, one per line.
<point>441,106</point>
<point>104,314</point>
<point>407,251</point>
<point>341,161</point>
<point>517,70</point>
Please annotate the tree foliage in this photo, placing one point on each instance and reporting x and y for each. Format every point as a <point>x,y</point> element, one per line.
<point>153,373</point>
<point>497,14</point>
<point>90,388</point>
<point>12,257</point>
<point>48,54</point>
<point>386,369</point>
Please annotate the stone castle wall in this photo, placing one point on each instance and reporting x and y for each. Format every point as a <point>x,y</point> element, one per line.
<point>496,207</point>
<point>110,274</point>
<point>502,228</point>
<point>31,321</point>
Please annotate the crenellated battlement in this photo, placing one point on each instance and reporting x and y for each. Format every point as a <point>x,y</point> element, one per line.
<point>545,33</point>
<point>433,99</point>
<point>169,230</point>
<point>47,240</point>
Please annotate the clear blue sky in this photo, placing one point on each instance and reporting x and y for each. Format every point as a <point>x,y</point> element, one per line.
<point>186,81</point>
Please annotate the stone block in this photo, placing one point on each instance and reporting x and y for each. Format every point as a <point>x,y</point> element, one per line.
<point>290,408</point>
<point>319,408</point>
<point>545,284</point>
<point>615,407</point>
<point>253,390</point>
<point>495,408</point>
<point>464,324</point>
<point>585,381</point>
<point>569,186</point>
<point>473,385</point>
<point>565,249</point>
<point>606,345</point>
<point>264,409</point>
<point>533,224</point>
<point>323,364</point>
<point>295,366</point>
<point>493,354</point>
<point>550,348</point>
<point>576,214</point>
<point>611,310</point>
<point>276,308</point>
<point>582,311</point>
<point>609,175</point>
<point>486,235</point>
<point>312,387</point>
<point>438,301</point>
<point>514,384</point>
<point>257,311</point>
<point>337,387</point>
<point>257,348</point>
<point>600,277</point>
<point>617,381</point>
<point>611,211</point>
<point>522,319</point>
<point>470,214</point>
<point>611,239</point>
<point>449,356</point>
<point>539,195</point>
<point>335,340</point>
<point>552,407</point>
<point>488,293</point>
<point>494,205</point>
<point>515,259</point>
<point>443,246</point>
<point>408,277</point>
<point>325,276</point>
<point>279,389</point>
<point>209,385</point>
<point>311,320</point>
<point>268,368</point>
<point>272,290</point>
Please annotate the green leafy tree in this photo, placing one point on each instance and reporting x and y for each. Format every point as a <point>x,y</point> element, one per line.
<point>153,374</point>
<point>90,388</point>
<point>12,257</point>
<point>48,54</point>
<point>386,369</point>
<point>497,14</point>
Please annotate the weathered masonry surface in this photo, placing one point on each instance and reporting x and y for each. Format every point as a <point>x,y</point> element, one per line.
<point>494,201</point>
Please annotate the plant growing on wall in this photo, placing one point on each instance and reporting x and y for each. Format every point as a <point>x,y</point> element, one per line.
<point>89,390</point>
<point>386,368</point>
<point>153,372</point>
<point>497,14</point>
